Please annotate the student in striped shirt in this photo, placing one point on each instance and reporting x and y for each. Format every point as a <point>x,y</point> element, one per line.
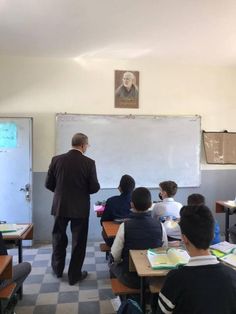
<point>203,286</point>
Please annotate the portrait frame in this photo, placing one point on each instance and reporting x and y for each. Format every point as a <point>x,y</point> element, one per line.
<point>126,91</point>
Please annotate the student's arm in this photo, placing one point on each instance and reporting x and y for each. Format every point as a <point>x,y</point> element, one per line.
<point>168,295</point>
<point>118,244</point>
<point>164,236</point>
<point>107,215</point>
<point>157,211</point>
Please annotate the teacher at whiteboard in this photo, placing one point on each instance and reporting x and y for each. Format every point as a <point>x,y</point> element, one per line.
<point>72,177</point>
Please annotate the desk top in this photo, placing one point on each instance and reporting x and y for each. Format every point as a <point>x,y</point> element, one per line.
<point>221,205</point>
<point>140,261</point>
<point>5,267</point>
<point>110,228</point>
<point>24,232</point>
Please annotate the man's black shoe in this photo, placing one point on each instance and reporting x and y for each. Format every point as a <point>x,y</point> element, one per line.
<point>83,275</point>
<point>58,274</point>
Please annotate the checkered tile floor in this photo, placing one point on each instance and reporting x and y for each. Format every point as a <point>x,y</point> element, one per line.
<point>46,294</point>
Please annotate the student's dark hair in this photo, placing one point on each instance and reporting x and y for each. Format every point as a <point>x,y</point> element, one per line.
<point>196,199</point>
<point>141,198</point>
<point>79,139</point>
<point>170,187</point>
<point>197,224</point>
<point>127,184</point>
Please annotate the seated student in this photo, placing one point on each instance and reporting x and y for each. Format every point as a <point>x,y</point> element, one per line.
<point>199,199</point>
<point>204,285</point>
<point>20,271</point>
<point>232,233</point>
<point>138,233</point>
<point>168,208</point>
<point>118,207</point>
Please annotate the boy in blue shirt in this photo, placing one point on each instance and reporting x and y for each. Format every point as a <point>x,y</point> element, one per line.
<point>199,199</point>
<point>118,207</point>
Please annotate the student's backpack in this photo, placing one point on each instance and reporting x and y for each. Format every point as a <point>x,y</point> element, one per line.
<point>129,306</point>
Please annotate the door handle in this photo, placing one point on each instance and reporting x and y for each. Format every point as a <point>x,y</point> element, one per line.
<point>26,189</point>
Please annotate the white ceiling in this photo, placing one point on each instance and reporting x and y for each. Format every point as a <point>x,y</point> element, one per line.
<point>184,30</point>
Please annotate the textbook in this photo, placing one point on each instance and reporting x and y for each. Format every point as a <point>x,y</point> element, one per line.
<point>224,247</point>
<point>229,259</point>
<point>5,228</point>
<point>167,259</point>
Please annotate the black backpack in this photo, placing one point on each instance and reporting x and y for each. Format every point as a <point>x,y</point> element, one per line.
<point>129,306</point>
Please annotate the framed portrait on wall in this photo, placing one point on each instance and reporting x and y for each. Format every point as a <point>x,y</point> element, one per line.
<point>126,89</point>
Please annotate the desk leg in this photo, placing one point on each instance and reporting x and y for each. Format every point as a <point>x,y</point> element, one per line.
<point>142,294</point>
<point>20,251</point>
<point>20,259</point>
<point>1,307</point>
<point>227,225</point>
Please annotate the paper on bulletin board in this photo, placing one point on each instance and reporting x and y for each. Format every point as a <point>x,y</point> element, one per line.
<point>8,135</point>
<point>220,147</point>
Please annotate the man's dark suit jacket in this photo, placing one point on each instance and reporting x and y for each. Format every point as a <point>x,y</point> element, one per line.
<point>72,177</point>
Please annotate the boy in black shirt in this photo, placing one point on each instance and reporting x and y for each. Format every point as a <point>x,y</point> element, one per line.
<point>203,286</point>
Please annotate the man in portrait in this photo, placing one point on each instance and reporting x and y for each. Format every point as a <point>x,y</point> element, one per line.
<point>126,94</point>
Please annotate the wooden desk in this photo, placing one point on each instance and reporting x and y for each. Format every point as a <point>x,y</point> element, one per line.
<point>110,228</point>
<point>139,261</point>
<point>25,234</point>
<point>228,209</point>
<point>5,267</point>
<point>18,237</point>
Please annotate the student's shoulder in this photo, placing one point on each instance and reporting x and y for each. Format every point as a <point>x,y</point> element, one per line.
<point>179,204</point>
<point>158,206</point>
<point>227,271</point>
<point>175,276</point>
<point>113,199</point>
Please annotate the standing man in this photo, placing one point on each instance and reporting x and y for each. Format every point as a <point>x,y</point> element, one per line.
<point>72,177</point>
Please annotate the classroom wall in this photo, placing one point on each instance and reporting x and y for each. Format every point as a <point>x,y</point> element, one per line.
<point>41,87</point>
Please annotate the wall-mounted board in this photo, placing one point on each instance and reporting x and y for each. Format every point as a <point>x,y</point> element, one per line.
<point>150,148</point>
<point>220,147</point>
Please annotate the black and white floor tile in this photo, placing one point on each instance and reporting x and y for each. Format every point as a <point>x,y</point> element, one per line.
<point>46,294</point>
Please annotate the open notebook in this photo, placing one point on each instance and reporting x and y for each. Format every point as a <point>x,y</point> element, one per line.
<point>229,259</point>
<point>224,247</point>
<point>5,228</point>
<point>169,259</point>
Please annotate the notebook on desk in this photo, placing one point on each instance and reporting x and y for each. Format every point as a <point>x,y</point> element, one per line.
<point>224,247</point>
<point>229,259</point>
<point>167,259</point>
<point>8,228</point>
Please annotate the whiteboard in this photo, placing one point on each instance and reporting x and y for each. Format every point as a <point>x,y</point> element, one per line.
<point>149,148</point>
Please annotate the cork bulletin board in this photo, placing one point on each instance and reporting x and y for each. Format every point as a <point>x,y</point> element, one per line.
<point>220,147</point>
